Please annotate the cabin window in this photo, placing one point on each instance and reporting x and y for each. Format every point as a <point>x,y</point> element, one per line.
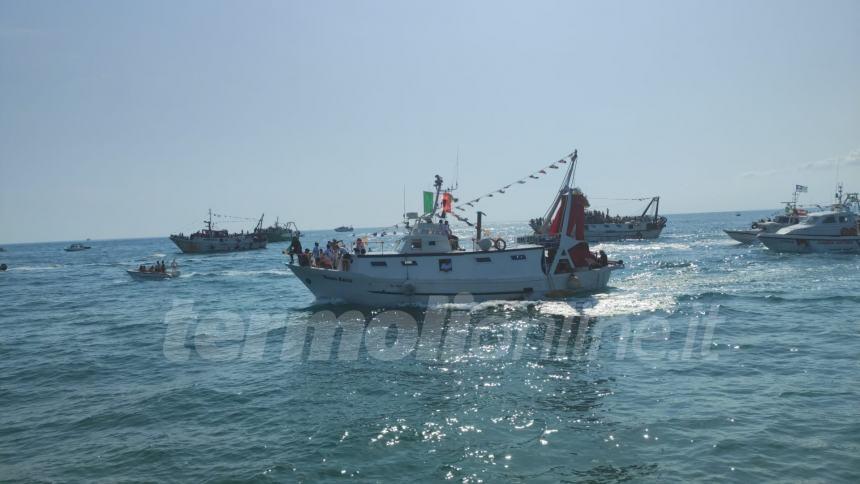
<point>445,265</point>
<point>830,219</point>
<point>378,263</point>
<point>843,219</point>
<point>409,262</point>
<point>431,242</point>
<point>483,259</point>
<point>518,257</point>
<point>416,243</point>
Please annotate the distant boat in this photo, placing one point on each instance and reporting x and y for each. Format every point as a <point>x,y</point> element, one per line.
<point>344,228</point>
<point>77,248</point>
<point>3,267</point>
<point>209,241</point>
<point>789,216</point>
<point>281,233</point>
<point>601,227</point>
<point>151,276</point>
<point>737,214</point>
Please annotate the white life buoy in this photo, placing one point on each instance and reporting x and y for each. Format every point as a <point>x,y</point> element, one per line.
<point>500,244</point>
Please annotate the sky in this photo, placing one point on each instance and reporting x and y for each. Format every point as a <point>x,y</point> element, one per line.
<point>132,119</point>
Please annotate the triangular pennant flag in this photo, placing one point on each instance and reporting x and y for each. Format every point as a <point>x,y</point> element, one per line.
<point>561,161</point>
<point>554,166</point>
<point>532,176</point>
<point>501,191</point>
<point>489,194</point>
<point>542,172</point>
<point>522,182</point>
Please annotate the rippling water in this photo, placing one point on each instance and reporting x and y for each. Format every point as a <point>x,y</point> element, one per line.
<point>705,360</point>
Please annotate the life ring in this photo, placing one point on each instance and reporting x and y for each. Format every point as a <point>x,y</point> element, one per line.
<point>755,225</point>
<point>500,244</point>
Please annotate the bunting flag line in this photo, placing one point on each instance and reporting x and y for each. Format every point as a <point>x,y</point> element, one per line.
<point>533,176</point>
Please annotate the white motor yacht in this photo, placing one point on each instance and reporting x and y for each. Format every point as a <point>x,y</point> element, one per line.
<point>830,231</point>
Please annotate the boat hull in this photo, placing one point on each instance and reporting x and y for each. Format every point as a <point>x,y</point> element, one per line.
<point>469,276</point>
<point>151,276</point>
<point>744,236</point>
<point>612,232</point>
<point>203,245</point>
<point>800,244</point>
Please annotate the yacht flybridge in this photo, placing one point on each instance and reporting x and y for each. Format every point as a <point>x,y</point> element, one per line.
<point>428,262</point>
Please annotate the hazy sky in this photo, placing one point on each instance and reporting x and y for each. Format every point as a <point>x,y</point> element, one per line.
<point>126,119</point>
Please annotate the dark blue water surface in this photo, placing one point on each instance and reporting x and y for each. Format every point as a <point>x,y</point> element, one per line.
<point>705,360</point>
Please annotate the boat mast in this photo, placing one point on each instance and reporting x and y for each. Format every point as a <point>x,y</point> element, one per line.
<point>565,186</point>
<point>209,222</point>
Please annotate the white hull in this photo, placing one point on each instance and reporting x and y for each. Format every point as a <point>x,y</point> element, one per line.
<point>806,244</point>
<point>610,232</point>
<point>478,276</point>
<point>744,236</point>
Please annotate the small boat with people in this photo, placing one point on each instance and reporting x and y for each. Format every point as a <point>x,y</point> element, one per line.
<point>790,215</point>
<point>428,262</point>
<point>344,228</point>
<point>154,272</point>
<point>77,247</point>
<point>209,240</point>
<point>836,230</point>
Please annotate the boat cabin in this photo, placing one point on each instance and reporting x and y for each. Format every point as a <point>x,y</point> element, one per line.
<point>825,223</point>
<point>428,238</point>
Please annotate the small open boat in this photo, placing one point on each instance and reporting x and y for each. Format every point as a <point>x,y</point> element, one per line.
<point>138,275</point>
<point>77,248</point>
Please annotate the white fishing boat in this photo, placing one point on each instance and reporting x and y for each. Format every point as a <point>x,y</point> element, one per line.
<point>836,230</point>
<point>428,263</point>
<point>77,248</point>
<point>344,228</point>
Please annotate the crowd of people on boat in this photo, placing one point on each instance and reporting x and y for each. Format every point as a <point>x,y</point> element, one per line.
<point>335,255</point>
<point>159,266</point>
<point>599,217</point>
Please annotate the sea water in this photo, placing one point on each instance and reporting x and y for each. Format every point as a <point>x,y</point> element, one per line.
<point>705,359</point>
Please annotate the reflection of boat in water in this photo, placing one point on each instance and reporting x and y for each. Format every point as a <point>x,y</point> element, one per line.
<point>210,240</point>
<point>428,263</point>
<point>77,248</point>
<point>830,231</point>
<point>281,233</point>
<point>344,228</point>
<point>789,216</point>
